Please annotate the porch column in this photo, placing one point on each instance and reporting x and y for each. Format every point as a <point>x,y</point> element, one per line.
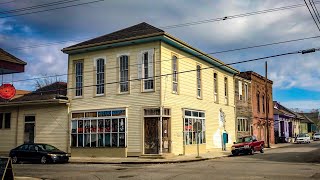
<point>160,131</point>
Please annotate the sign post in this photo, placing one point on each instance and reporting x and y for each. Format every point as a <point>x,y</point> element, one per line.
<point>6,172</point>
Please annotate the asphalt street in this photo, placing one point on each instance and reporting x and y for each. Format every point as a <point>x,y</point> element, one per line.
<point>297,161</point>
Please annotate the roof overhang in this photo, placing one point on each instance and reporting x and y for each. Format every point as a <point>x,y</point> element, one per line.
<point>10,68</point>
<point>164,38</point>
<point>37,102</point>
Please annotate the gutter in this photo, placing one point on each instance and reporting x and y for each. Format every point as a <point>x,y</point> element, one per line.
<point>38,102</point>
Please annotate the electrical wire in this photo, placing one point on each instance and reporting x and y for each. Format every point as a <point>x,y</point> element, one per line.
<point>316,9</point>
<point>7,2</point>
<point>37,6</point>
<point>312,15</point>
<point>185,24</point>
<point>74,5</point>
<point>193,70</point>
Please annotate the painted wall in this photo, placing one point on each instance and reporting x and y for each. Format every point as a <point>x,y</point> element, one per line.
<point>187,98</point>
<point>51,126</point>
<point>135,100</point>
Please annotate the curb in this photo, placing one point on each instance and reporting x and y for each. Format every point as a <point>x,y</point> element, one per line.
<point>144,162</point>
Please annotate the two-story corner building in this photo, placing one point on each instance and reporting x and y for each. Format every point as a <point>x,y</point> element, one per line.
<point>140,91</point>
<point>243,106</point>
<point>261,103</point>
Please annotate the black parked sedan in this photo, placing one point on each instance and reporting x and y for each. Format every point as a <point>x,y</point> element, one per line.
<point>36,152</point>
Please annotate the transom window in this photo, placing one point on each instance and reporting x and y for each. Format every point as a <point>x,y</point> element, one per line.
<point>174,74</point>
<point>79,77</point>
<point>100,76</point>
<point>124,73</point>
<point>199,81</point>
<point>194,124</point>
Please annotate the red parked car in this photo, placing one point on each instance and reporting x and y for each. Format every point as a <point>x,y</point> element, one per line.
<point>247,145</point>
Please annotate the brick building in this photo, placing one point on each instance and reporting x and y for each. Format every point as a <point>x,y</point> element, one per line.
<point>260,106</point>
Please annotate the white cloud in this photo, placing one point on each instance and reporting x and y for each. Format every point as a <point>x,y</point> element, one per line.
<point>303,105</point>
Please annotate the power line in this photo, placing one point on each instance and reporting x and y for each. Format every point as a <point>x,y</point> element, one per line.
<point>235,16</point>
<point>79,4</point>
<point>217,52</point>
<point>316,9</point>
<point>37,6</point>
<point>312,15</point>
<point>187,24</point>
<point>194,70</point>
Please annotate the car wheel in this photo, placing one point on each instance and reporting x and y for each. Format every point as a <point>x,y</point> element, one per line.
<point>262,149</point>
<point>14,159</point>
<point>43,160</point>
<point>251,152</point>
<point>235,153</point>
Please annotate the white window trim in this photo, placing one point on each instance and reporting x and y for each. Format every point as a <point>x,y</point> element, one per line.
<point>240,90</point>
<point>226,90</point>
<point>75,78</point>
<point>246,91</point>
<point>95,59</point>
<point>177,70</point>
<point>149,51</point>
<point>119,73</point>
<point>215,86</point>
<point>200,74</point>
<point>246,125</point>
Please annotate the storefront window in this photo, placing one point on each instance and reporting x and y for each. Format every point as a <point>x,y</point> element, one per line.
<point>194,127</point>
<point>99,131</point>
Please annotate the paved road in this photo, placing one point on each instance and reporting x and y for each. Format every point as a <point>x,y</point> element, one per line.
<point>299,161</point>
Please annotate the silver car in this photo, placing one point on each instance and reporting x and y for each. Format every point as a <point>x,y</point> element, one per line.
<point>316,136</point>
<point>303,138</point>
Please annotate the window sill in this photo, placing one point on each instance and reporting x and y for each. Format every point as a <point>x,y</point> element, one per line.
<point>200,98</point>
<point>176,93</point>
<point>123,93</point>
<point>99,95</point>
<point>148,91</point>
<point>78,97</point>
<point>4,129</point>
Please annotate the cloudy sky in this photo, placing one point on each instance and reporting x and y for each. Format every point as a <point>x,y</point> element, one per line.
<point>38,38</point>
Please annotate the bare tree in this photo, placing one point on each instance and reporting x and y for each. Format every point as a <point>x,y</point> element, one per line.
<point>45,81</point>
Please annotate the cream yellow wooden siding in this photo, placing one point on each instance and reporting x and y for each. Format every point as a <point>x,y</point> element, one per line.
<point>187,96</point>
<point>51,126</point>
<point>135,101</point>
<point>8,136</point>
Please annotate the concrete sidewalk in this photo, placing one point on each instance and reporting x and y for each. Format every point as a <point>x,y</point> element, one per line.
<point>212,154</point>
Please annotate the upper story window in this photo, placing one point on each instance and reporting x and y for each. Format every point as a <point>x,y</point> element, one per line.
<point>145,70</point>
<point>240,89</point>
<point>226,90</point>
<point>246,92</point>
<point>215,87</point>
<point>5,120</point>
<point>243,124</point>
<point>258,102</point>
<point>100,76</point>
<point>263,101</point>
<point>124,73</point>
<point>175,74</point>
<point>79,77</point>
<point>199,81</point>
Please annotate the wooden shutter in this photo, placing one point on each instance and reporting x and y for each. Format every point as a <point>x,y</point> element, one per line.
<point>150,63</point>
<point>139,62</point>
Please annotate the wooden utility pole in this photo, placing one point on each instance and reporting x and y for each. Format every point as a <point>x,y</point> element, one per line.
<point>267,105</point>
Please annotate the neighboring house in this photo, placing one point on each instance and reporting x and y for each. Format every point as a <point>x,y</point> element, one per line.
<point>243,106</point>
<point>286,123</point>
<point>259,105</point>
<point>128,97</point>
<point>313,125</point>
<point>40,116</point>
<point>10,64</point>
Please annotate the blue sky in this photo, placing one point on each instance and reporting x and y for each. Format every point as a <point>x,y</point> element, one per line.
<point>295,77</point>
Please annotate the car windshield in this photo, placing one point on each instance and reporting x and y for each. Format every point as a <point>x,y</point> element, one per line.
<point>317,134</point>
<point>244,139</point>
<point>302,135</point>
<point>47,147</point>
